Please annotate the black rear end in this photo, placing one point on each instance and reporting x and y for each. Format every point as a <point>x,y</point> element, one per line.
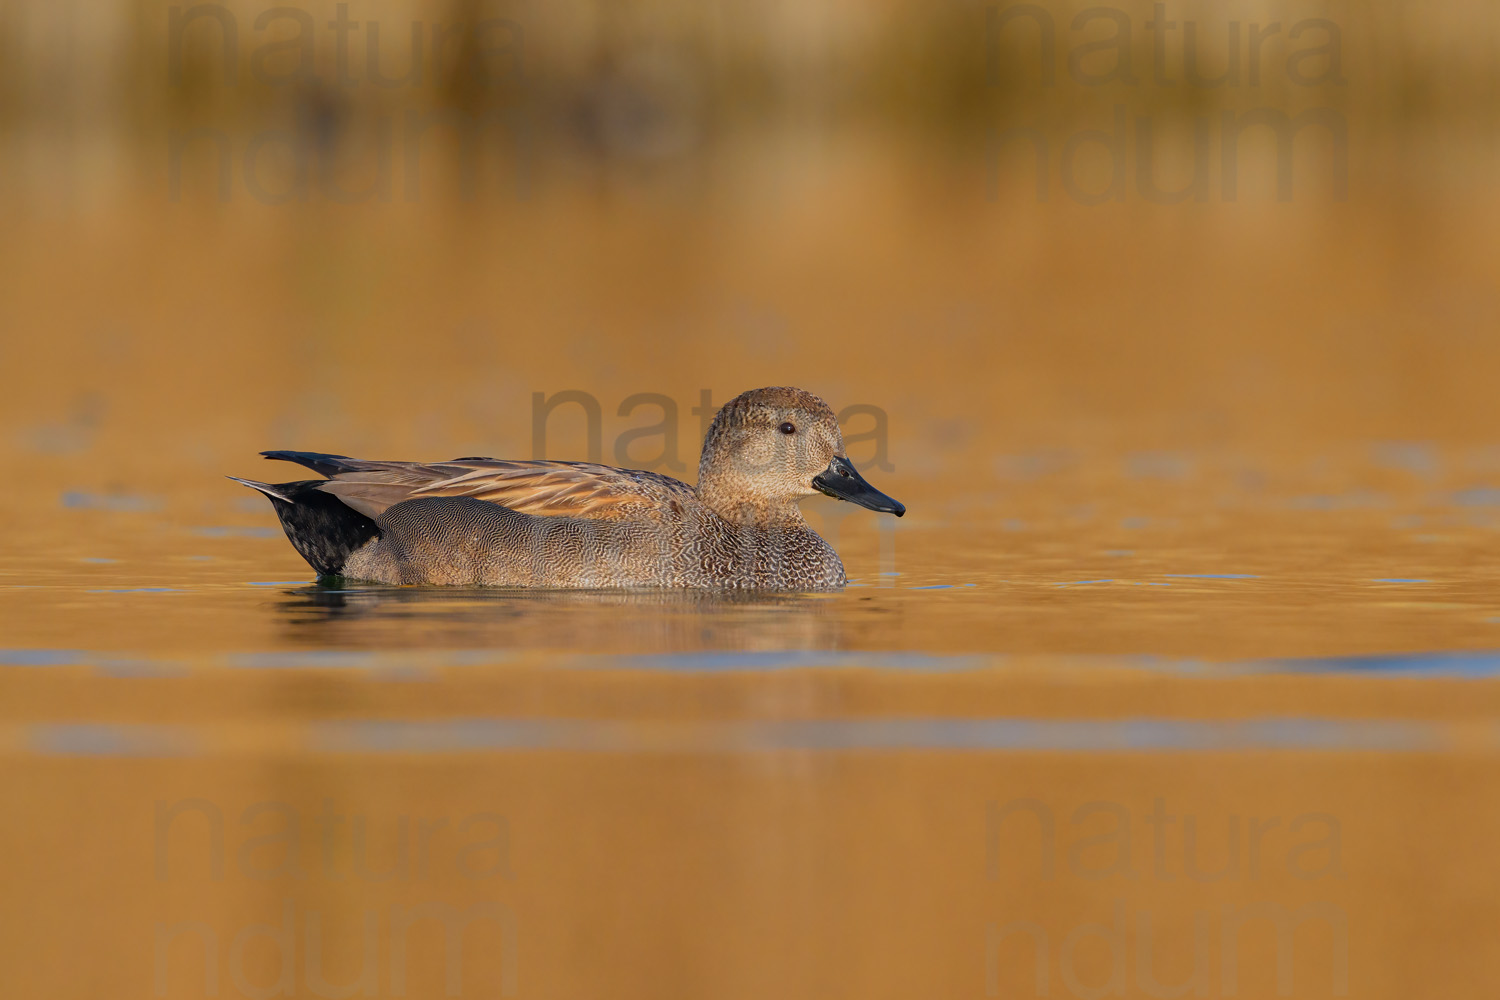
<point>319,525</point>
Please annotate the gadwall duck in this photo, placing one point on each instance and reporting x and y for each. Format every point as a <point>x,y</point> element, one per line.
<point>490,522</point>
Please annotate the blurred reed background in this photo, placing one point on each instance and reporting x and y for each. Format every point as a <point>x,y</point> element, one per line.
<point>224,234</point>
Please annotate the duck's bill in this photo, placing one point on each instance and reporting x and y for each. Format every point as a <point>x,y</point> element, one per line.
<point>842,481</point>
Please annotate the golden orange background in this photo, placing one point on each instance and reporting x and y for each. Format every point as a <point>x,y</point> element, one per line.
<point>1203,499</point>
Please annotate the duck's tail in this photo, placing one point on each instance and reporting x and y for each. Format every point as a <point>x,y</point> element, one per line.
<point>320,526</point>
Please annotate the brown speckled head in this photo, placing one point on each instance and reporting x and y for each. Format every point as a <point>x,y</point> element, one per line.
<point>769,448</point>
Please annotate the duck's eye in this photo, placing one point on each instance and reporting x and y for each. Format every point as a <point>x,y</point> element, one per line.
<point>788,428</point>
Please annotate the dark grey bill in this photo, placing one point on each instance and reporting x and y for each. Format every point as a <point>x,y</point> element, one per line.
<point>842,481</point>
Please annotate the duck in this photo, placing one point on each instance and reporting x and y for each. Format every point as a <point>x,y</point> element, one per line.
<point>484,522</point>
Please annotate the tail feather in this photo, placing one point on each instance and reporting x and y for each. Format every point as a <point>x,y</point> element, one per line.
<point>322,464</point>
<point>272,491</point>
<point>320,526</point>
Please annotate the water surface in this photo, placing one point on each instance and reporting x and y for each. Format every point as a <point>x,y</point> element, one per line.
<point>1181,668</point>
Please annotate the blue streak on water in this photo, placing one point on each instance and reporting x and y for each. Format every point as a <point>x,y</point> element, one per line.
<point>1481,663</point>
<point>1418,458</point>
<point>401,665</point>
<point>935,586</point>
<point>1014,735</point>
<point>1004,735</point>
<point>106,663</point>
<point>1079,583</point>
<point>1398,579</point>
<point>105,740</point>
<point>42,657</point>
<point>1478,496</point>
<point>117,502</point>
<point>1358,499</point>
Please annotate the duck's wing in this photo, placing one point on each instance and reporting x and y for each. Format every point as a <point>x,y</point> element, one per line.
<point>546,489</point>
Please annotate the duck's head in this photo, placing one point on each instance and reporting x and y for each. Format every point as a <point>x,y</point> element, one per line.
<point>769,448</point>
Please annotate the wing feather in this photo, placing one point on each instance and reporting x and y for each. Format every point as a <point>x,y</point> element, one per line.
<point>546,489</point>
